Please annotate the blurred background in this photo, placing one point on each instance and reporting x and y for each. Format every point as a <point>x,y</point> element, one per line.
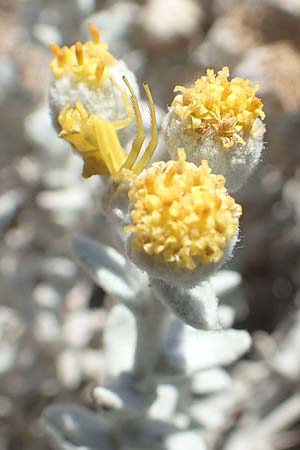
<point>51,315</point>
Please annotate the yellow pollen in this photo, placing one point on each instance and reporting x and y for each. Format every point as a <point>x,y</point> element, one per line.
<point>62,57</point>
<point>94,33</point>
<point>227,107</point>
<point>99,70</point>
<point>79,53</point>
<point>182,213</point>
<point>55,49</point>
<point>82,60</point>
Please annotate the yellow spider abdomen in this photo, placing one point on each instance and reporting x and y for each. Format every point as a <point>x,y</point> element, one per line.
<point>94,138</point>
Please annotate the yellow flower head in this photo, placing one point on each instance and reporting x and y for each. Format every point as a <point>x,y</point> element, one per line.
<point>182,213</point>
<point>228,107</point>
<point>87,62</point>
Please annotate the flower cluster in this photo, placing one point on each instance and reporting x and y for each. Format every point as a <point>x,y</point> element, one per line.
<point>228,107</point>
<point>180,221</point>
<point>182,213</point>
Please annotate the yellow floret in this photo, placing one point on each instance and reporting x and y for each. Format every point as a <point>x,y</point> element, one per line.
<point>87,62</point>
<point>229,107</point>
<point>182,213</point>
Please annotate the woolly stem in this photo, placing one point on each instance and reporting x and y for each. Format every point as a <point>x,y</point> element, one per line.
<point>150,320</point>
<point>150,315</point>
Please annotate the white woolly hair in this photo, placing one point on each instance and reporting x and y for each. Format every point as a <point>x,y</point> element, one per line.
<point>235,163</point>
<point>155,268</point>
<point>105,102</point>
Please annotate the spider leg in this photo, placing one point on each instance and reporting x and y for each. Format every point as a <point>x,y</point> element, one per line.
<point>123,123</point>
<point>148,153</point>
<point>140,137</point>
<point>109,145</point>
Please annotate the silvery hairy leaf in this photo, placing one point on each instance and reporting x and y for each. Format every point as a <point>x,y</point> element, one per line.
<point>196,307</point>
<point>225,281</point>
<point>161,435</point>
<point>109,269</point>
<point>164,406</point>
<point>10,202</point>
<point>210,381</point>
<point>190,440</point>
<point>188,350</point>
<point>124,397</point>
<point>286,359</point>
<point>70,427</point>
<point>119,337</point>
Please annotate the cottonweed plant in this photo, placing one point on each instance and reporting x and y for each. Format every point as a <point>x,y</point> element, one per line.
<point>174,225</point>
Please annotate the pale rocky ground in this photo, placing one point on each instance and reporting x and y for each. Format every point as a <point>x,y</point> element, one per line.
<point>52,317</point>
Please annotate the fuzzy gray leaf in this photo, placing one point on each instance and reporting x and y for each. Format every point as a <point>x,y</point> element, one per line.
<point>119,336</point>
<point>187,439</point>
<point>225,281</point>
<point>196,307</point>
<point>189,350</point>
<point>106,266</point>
<point>124,397</point>
<point>70,427</point>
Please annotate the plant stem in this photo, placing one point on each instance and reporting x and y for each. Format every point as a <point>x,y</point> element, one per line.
<point>150,322</point>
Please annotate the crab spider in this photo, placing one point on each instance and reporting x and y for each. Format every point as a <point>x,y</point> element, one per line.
<point>97,139</point>
<point>109,144</point>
